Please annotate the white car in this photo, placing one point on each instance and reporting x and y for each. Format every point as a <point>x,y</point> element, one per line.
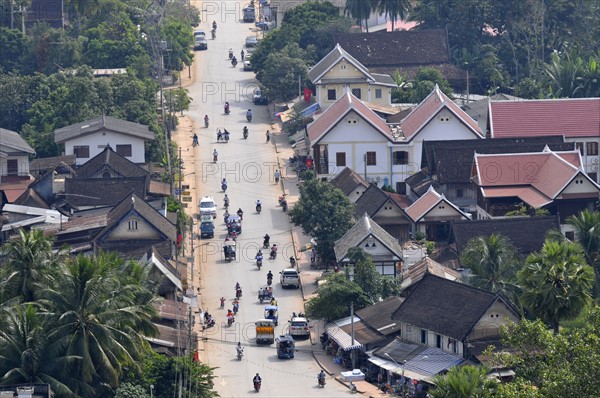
<point>208,206</point>
<point>247,65</point>
<point>299,327</point>
<point>289,277</point>
<point>251,41</point>
<point>199,33</point>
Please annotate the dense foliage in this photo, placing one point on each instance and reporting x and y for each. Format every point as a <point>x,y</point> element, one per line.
<point>334,296</point>
<point>46,73</point>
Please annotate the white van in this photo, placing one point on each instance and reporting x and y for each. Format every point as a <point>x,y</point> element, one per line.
<point>289,277</point>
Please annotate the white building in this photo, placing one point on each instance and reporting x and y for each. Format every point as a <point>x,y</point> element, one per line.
<point>349,134</point>
<point>87,139</point>
<point>14,156</point>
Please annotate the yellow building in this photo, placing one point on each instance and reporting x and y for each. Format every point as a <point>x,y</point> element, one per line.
<point>339,73</point>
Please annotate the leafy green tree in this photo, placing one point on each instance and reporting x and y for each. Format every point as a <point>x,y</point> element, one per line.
<point>12,43</point>
<point>360,10</point>
<point>390,286</point>
<point>27,355</point>
<point>30,261</point>
<point>556,282</point>
<point>464,382</point>
<point>334,297</point>
<point>281,74</point>
<point>51,50</point>
<point>179,37</point>
<point>177,100</point>
<point>393,9</point>
<point>365,273</point>
<point>128,390</point>
<point>494,262</point>
<point>325,213</point>
<point>529,88</point>
<point>98,318</point>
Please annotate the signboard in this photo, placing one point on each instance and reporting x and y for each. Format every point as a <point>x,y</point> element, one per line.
<point>186,199</point>
<point>176,191</point>
<point>186,193</point>
<point>185,187</point>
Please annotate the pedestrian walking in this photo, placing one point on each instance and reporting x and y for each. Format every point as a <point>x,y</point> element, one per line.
<point>277,175</point>
<point>313,256</point>
<point>268,136</point>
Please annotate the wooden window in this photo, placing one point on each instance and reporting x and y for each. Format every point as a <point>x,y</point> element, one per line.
<point>133,225</point>
<point>378,93</point>
<point>124,150</point>
<point>331,94</point>
<point>340,158</point>
<point>423,336</point>
<point>12,167</point>
<point>356,92</point>
<point>438,341</point>
<point>592,148</point>
<point>400,157</point>
<point>82,151</point>
<point>371,158</point>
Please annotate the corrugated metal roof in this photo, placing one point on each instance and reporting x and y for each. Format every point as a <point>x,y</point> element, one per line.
<point>343,339</point>
<point>432,361</point>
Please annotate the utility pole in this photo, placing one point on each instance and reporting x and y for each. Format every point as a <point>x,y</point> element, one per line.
<point>193,252</point>
<point>180,175</point>
<point>352,352</point>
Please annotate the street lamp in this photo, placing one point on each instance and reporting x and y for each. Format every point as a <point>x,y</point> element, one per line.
<point>401,366</point>
<point>151,389</point>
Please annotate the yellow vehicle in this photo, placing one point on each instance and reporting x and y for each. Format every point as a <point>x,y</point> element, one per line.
<point>265,331</point>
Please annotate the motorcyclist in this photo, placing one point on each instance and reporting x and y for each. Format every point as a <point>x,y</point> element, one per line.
<point>215,155</point>
<point>229,313</point>
<point>245,131</point>
<point>234,60</point>
<point>219,135</point>
<point>292,261</point>
<point>321,377</point>
<point>195,140</point>
<point>274,250</point>
<point>226,107</point>
<point>257,380</point>
<point>225,216</point>
<point>249,114</point>
<point>258,205</point>
<point>269,277</point>
<point>214,25</point>
<point>230,53</point>
<point>240,213</point>
<point>224,182</point>
<point>226,201</point>
<point>273,301</point>
<point>239,348</point>
<point>206,121</point>
<point>226,134</point>
<point>237,286</point>
<point>266,240</point>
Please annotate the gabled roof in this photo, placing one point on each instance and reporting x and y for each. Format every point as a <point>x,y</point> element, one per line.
<point>398,48</point>
<point>330,60</point>
<point>14,141</point>
<point>110,160</point>
<point>420,183</point>
<point>452,161</point>
<point>527,234</point>
<point>379,315</point>
<point>332,116</point>
<point>51,163</point>
<point>570,117</point>
<point>103,122</point>
<point>417,271</point>
<point>429,108</point>
<point>364,228</point>
<point>134,203</point>
<point>427,202</point>
<point>546,175</point>
<point>81,192</point>
<point>155,259</point>
<point>478,110</point>
<point>445,307</point>
<point>348,180</point>
<point>371,201</point>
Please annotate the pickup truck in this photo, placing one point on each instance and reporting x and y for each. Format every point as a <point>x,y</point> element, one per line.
<point>207,227</point>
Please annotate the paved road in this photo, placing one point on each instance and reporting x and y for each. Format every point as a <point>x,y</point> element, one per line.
<point>248,165</point>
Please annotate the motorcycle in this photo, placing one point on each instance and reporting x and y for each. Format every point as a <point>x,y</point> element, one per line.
<point>284,206</point>
<point>209,323</point>
<point>215,158</point>
<point>259,263</point>
<point>257,386</point>
<point>269,281</point>
<point>226,110</point>
<point>258,208</point>
<point>281,200</point>
<point>226,203</point>
<point>234,62</point>
<point>226,136</point>
<point>240,354</point>
<point>321,382</point>
<point>236,308</point>
<point>245,134</point>
<point>230,53</point>
<point>238,293</point>
<point>223,186</point>
<point>230,320</point>
<point>213,34</point>
<point>273,255</point>
<point>249,117</point>
<point>206,123</point>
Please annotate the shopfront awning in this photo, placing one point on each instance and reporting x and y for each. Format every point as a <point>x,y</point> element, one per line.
<point>343,339</point>
<point>286,115</point>
<point>301,147</point>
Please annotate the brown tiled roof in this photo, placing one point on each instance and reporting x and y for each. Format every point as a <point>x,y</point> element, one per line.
<point>417,271</point>
<point>527,234</point>
<point>332,115</point>
<point>420,182</point>
<point>80,192</point>
<point>445,307</point>
<point>379,316</point>
<point>426,203</point>
<point>569,117</point>
<point>452,161</point>
<point>364,228</point>
<point>363,333</point>
<point>334,56</point>
<point>109,160</point>
<point>371,201</point>
<point>43,164</point>
<point>347,180</point>
<point>401,200</point>
<point>548,174</point>
<point>429,108</point>
<point>427,46</point>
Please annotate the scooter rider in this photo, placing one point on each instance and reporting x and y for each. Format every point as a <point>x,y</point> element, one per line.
<point>266,240</point>
<point>321,377</point>
<point>269,275</point>
<point>249,115</point>
<point>226,108</point>
<point>214,25</point>
<point>240,213</point>
<point>206,121</point>
<point>226,201</point>
<point>239,349</point>
<point>258,205</point>
<point>215,155</point>
<point>273,251</point>
<point>245,132</point>
<point>257,381</point>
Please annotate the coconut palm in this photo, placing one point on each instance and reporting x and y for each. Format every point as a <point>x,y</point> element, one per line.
<point>26,355</point>
<point>99,319</point>
<point>30,263</point>
<point>556,282</point>
<point>586,226</point>
<point>493,260</point>
<point>359,10</point>
<point>464,382</point>
<point>393,9</point>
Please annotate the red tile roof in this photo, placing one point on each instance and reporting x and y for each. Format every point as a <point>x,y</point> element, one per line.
<point>430,107</point>
<point>401,200</point>
<point>332,115</point>
<point>425,203</point>
<point>536,178</point>
<point>575,117</point>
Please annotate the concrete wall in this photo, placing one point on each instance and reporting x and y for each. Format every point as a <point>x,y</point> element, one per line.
<point>98,140</point>
<point>144,230</point>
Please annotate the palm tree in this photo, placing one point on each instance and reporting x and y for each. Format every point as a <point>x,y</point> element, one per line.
<point>586,226</point>
<point>393,9</point>
<point>26,355</point>
<point>464,382</point>
<point>493,260</point>
<point>30,264</point>
<point>359,10</point>
<point>99,318</point>
<point>556,282</point>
